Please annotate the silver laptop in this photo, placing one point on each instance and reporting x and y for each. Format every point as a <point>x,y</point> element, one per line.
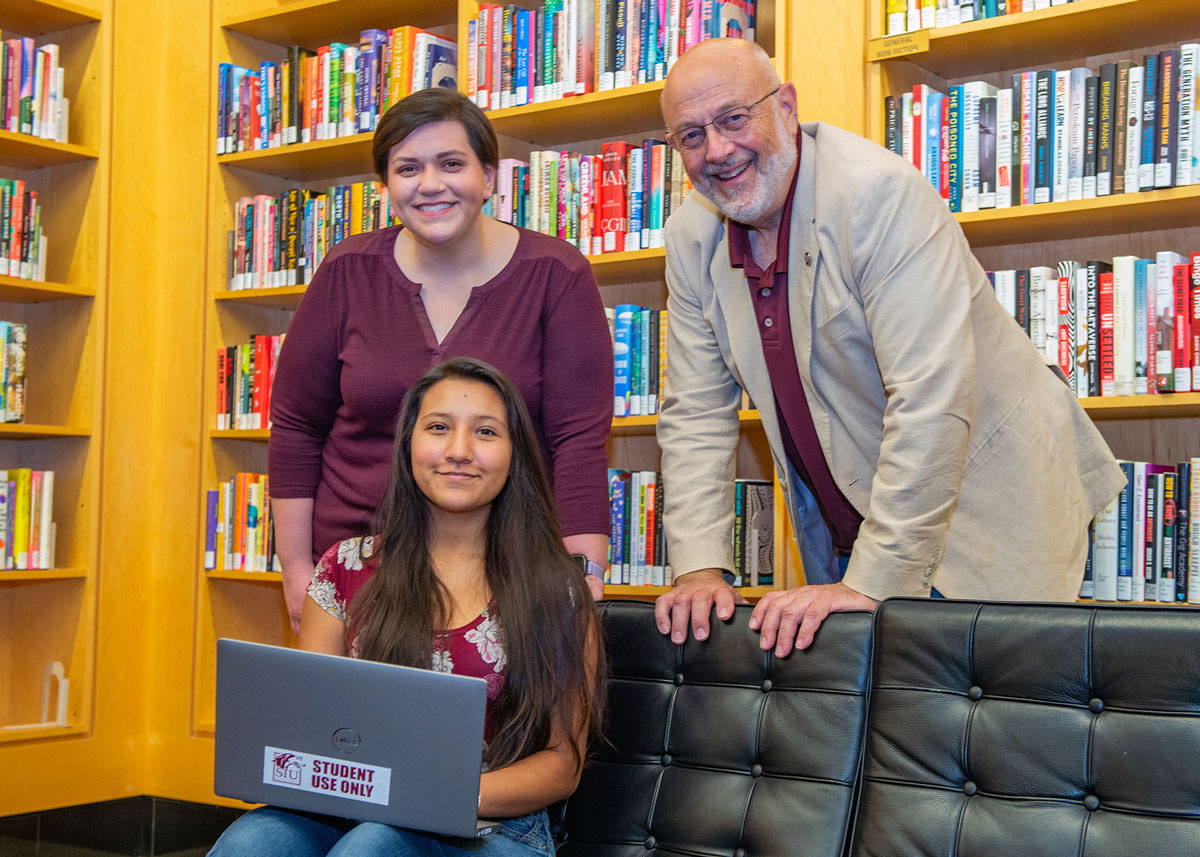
<point>349,738</point>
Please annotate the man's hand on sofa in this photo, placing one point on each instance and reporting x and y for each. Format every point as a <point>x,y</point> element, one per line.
<point>692,600</point>
<point>791,617</point>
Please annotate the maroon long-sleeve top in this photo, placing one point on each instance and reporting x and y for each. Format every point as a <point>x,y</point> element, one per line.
<point>360,338</point>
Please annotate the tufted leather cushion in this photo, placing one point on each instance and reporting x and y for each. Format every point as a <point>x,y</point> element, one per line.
<point>1032,730</point>
<point>718,748</point>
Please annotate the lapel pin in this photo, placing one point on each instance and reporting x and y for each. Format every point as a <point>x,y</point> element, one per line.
<point>808,258</point>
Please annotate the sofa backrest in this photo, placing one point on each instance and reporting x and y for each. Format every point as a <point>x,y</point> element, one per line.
<point>719,748</point>
<point>1033,730</point>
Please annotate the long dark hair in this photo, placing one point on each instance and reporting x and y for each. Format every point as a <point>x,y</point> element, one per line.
<point>437,104</point>
<point>541,600</point>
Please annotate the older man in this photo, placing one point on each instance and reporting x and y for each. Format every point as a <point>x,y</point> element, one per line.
<point>922,443</point>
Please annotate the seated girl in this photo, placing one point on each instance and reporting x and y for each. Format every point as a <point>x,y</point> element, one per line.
<point>467,574</point>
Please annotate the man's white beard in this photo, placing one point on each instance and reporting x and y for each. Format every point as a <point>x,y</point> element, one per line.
<point>748,204</point>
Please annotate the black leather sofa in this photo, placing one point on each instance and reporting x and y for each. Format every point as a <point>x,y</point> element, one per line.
<point>931,727</point>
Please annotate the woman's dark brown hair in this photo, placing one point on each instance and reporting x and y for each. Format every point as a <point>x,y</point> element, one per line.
<point>437,104</point>
<point>556,669</point>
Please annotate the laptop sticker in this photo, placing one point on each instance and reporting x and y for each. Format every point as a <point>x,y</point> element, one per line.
<point>325,776</point>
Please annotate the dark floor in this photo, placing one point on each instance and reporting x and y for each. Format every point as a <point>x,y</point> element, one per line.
<point>132,827</point>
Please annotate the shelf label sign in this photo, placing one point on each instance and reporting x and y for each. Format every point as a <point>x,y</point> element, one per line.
<point>324,776</point>
<point>916,42</point>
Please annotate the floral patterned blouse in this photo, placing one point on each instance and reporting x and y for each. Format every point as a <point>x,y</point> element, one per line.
<point>475,649</point>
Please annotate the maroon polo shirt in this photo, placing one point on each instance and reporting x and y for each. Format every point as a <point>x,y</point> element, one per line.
<point>769,295</point>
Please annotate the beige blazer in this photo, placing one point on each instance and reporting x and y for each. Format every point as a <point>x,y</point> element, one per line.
<point>971,462</point>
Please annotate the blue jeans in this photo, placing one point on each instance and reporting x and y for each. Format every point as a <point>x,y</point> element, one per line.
<point>271,832</point>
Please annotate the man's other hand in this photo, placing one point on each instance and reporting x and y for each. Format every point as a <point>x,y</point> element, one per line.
<point>787,618</point>
<point>692,601</point>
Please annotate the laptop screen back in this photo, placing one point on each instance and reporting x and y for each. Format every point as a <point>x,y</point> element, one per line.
<point>349,738</point>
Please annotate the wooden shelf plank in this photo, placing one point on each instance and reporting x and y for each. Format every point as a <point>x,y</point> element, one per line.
<point>307,162</point>
<point>1142,407</point>
<point>16,290</point>
<point>274,577</point>
<point>40,733</point>
<point>621,426</point>
<point>313,23</point>
<point>35,17</point>
<point>24,152</point>
<point>1034,38</point>
<point>611,114</point>
<point>284,297</point>
<point>1119,214</point>
<point>1151,604</point>
<point>33,431</point>
<point>646,425</point>
<point>632,267</point>
<point>259,435</point>
<point>615,590</point>
<point>43,574</point>
<point>609,269</point>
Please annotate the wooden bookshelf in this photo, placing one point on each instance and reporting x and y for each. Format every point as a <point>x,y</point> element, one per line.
<point>17,291</point>
<point>1032,38</point>
<point>649,593</point>
<point>1157,406</point>
<point>646,425</point>
<point>306,162</point>
<point>23,151</point>
<point>1162,427</point>
<point>38,17</point>
<point>608,268</point>
<point>31,431</point>
<point>41,733</point>
<point>1119,214</point>
<point>284,297</point>
<point>312,23</point>
<point>272,577</point>
<point>255,435</point>
<point>13,575</point>
<point>625,267</point>
<point>51,615</point>
<point>612,115</point>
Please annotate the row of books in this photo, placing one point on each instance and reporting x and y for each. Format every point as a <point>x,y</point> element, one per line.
<point>906,16</point>
<point>337,91</point>
<point>1125,328</point>
<point>22,242</point>
<point>614,202</point>
<point>518,56</point>
<point>753,532</point>
<point>1055,135</point>
<point>27,528</point>
<point>239,532</point>
<point>639,359</point>
<point>280,241</point>
<point>245,376</point>
<point>1146,543</point>
<point>32,95</point>
<point>13,336</point>
<point>638,547</point>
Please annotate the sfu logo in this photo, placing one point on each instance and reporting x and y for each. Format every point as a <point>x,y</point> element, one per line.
<point>287,768</point>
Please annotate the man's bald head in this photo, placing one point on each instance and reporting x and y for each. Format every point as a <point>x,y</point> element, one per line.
<point>738,59</point>
<point>734,124</point>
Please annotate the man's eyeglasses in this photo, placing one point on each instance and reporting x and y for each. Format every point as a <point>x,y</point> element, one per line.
<point>728,123</point>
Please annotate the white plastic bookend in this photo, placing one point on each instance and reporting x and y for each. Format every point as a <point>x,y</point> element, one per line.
<point>54,670</point>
